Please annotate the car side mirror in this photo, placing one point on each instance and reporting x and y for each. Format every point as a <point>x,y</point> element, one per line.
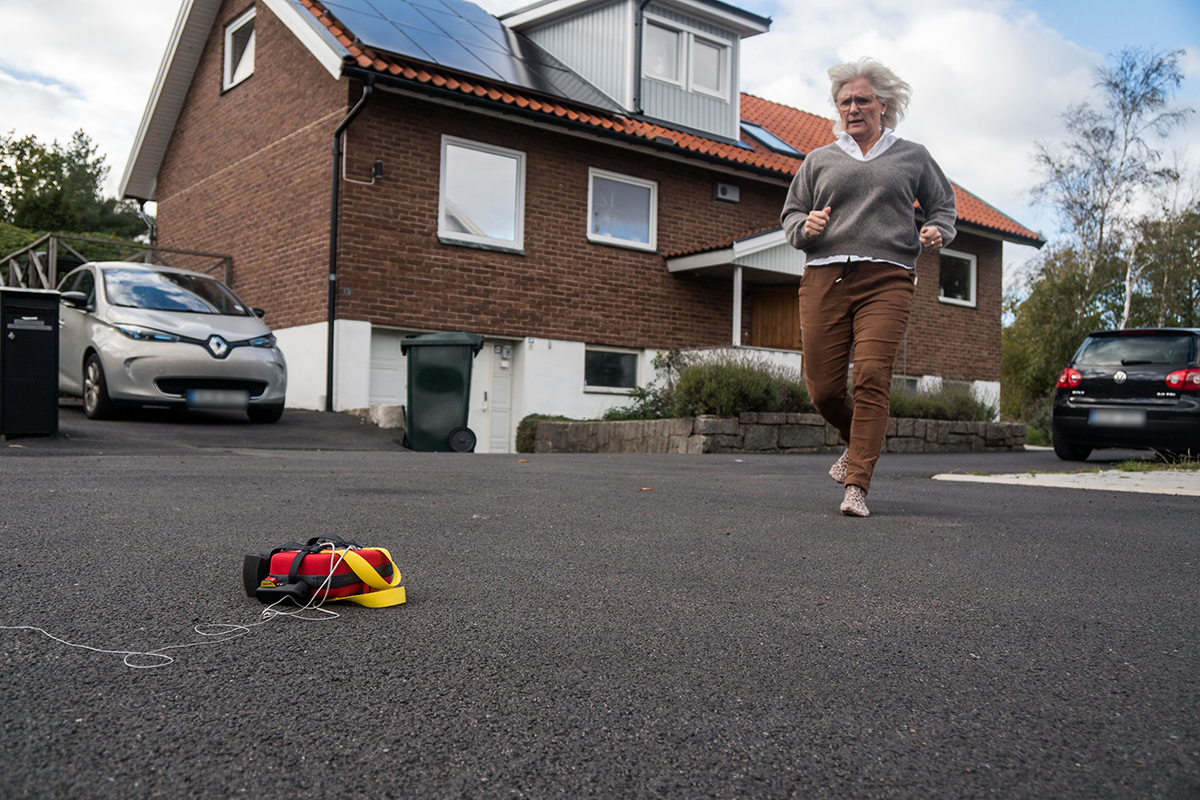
<point>75,299</point>
<point>258,312</point>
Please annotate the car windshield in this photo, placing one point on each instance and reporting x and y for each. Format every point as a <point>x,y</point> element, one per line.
<point>1111,351</point>
<point>170,291</point>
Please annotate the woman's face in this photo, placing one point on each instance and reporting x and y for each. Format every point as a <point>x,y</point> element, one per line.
<point>861,121</point>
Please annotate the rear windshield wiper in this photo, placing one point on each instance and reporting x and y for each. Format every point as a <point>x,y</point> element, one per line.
<point>1129,362</point>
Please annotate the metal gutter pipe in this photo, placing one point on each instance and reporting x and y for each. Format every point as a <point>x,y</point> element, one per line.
<point>368,87</point>
<point>639,25</point>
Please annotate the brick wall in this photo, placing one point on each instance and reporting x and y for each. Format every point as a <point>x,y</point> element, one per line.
<point>953,341</point>
<point>564,286</point>
<point>247,171</point>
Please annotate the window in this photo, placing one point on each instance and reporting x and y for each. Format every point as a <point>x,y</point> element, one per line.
<point>685,58</point>
<point>662,53</point>
<point>956,279</point>
<point>622,210</point>
<point>482,195</point>
<point>609,370</point>
<point>707,67</point>
<point>239,49</point>
<point>770,140</point>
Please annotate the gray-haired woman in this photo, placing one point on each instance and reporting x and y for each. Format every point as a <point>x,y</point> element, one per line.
<point>850,208</point>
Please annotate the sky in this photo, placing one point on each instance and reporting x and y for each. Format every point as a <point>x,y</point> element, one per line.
<point>990,78</point>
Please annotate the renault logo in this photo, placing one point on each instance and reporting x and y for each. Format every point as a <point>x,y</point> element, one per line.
<point>220,348</point>
<point>1120,377</point>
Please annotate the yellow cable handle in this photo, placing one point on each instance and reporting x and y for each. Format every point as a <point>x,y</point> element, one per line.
<point>386,594</point>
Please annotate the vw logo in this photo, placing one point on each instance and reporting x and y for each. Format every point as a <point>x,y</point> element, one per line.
<point>1120,376</point>
<point>220,348</point>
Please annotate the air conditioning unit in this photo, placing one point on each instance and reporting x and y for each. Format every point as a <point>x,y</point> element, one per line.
<point>726,192</point>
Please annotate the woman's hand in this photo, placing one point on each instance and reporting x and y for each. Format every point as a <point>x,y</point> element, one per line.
<point>931,238</point>
<point>816,222</point>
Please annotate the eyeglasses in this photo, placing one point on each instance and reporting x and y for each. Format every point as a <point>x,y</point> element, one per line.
<point>862,102</point>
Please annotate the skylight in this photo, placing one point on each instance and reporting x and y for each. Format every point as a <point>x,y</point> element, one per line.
<point>768,139</point>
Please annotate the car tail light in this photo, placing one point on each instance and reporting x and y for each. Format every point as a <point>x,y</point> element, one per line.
<point>1184,379</point>
<point>1070,378</point>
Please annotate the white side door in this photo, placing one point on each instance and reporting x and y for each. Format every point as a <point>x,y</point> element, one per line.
<point>499,399</point>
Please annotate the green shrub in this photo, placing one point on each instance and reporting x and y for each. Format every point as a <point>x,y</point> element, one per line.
<point>954,402</point>
<point>728,384</point>
<point>527,429</point>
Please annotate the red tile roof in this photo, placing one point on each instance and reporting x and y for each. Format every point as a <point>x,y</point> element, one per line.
<point>721,244</point>
<point>804,131</point>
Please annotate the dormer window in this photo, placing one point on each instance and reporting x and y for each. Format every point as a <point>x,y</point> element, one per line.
<point>239,50</point>
<point>687,58</point>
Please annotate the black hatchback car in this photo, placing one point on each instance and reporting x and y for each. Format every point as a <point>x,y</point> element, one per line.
<point>1134,388</point>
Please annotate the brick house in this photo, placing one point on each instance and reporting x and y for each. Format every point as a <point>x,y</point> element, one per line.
<point>510,177</point>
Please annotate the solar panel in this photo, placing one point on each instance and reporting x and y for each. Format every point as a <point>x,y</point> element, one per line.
<point>462,36</point>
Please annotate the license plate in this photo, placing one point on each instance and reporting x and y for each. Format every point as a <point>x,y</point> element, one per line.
<point>1117,418</point>
<point>217,398</point>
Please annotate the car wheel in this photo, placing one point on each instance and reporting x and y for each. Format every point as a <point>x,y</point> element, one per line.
<point>96,403</point>
<point>264,414</point>
<point>1070,452</point>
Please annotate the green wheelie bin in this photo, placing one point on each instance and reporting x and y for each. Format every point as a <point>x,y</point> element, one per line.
<point>439,391</point>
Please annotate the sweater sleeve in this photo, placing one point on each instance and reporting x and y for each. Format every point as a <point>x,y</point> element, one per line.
<point>935,193</point>
<point>796,208</point>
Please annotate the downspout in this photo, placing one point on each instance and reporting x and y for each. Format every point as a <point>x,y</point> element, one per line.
<point>333,235</point>
<point>151,234</point>
<point>639,25</point>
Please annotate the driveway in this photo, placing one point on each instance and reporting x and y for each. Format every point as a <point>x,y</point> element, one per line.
<point>586,626</point>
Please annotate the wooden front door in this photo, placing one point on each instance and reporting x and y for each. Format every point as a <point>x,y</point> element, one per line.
<point>775,317</point>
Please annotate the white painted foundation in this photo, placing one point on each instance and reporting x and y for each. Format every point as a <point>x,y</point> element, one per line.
<point>546,376</point>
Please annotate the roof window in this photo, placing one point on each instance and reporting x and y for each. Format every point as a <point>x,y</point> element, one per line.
<point>769,140</point>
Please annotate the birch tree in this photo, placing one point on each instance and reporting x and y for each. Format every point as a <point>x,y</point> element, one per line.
<point>1111,156</point>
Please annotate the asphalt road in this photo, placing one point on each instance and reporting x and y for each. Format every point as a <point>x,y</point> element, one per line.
<point>586,626</point>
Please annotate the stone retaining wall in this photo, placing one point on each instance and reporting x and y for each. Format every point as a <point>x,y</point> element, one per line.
<point>769,433</point>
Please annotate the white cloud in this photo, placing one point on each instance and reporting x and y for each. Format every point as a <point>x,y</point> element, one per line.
<point>83,66</point>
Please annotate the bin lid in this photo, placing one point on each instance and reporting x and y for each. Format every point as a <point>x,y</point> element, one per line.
<point>471,340</point>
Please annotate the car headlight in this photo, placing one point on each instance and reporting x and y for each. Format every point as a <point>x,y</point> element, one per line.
<point>263,341</point>
<point>146,334</point>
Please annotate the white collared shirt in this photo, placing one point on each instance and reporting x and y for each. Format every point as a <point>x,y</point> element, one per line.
<point>846,142</point>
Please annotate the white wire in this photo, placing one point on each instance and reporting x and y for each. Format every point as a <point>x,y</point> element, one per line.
<point>218,631</point>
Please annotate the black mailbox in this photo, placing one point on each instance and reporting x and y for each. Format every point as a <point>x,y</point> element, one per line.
<point>28,361</point>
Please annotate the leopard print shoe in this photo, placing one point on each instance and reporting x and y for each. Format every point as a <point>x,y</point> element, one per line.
<point>838,470</point>
<point>855,503</point>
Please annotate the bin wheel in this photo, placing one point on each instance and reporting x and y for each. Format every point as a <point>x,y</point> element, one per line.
<point>461,440</point>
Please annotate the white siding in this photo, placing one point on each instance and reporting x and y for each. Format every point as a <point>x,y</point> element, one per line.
<point>595,45</point>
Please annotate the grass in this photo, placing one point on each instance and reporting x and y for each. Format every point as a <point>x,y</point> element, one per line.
<point>1160,464</point>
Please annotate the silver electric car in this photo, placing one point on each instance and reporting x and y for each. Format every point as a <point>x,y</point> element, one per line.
<point>135,334</point>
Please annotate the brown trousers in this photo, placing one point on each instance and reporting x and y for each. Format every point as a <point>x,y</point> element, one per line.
<point>864,312</point>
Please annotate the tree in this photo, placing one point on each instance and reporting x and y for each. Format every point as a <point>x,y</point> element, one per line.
<point>1048,326</point>
<point>1168,270</point>
<point>57,188</point>
<point>1111,157</point>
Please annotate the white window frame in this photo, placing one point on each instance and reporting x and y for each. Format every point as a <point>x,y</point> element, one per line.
<point>688,65</point>
<point>637,369</point>
<point>228,82</point>
<point>722,91</point>
<point>517,245</point>
<point>650,246</point>
<point>681,59</point>
<point>973,302</point>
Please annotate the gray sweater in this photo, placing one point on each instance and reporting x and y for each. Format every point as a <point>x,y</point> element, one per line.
<point>871,203</point>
